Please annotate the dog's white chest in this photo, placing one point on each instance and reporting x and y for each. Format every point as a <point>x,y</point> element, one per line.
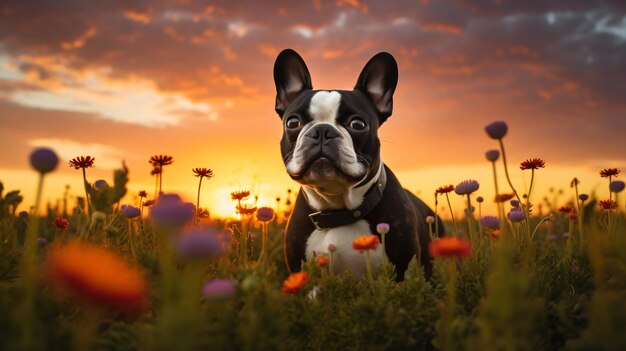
<point>345,258</point>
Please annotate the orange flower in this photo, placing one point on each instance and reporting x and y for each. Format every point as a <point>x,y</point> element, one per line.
<point>294,282</point>
<point>158,161</point>
<point>609,172</point>
<point>97,275</point>
<point>239,195</point>
<point>532,163</point>
<point>203,172</point>
<point>495,233</point>
<point>450,247</point>
<point>245,209</point>
<point>504,197</point>
<point>363,243</point>
<point>322,261</point>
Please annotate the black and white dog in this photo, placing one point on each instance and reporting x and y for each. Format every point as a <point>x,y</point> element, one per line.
<point>330,146</point>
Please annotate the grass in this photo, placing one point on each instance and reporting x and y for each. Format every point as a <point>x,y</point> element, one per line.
<point>518,289</point>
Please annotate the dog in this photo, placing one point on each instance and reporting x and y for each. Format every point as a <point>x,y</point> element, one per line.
<point>330,146</point>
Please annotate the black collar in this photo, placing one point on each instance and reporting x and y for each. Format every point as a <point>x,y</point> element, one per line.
<point>326,219</point>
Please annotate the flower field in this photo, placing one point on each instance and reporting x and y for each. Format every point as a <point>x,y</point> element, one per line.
<point>119,271</point>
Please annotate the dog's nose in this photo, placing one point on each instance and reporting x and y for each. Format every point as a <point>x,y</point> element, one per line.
<point>322,133</point>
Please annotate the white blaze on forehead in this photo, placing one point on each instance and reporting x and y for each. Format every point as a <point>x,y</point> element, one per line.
<point>324,106</point>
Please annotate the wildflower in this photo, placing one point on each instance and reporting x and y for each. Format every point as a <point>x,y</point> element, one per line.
<point>450,247</point>
<point>467,212</point>
<point>160,161</point>
<point>492,155</point>
<point>515,203</point>
<point>466,187</point>
<point>239,195</point>
<point>82,162</point>
<point>573,216</point>
<point>219,288</point>
<point>203,213</point>
<point>265,214</point>
<point>143,193</point>
<point>430,219</point>
<point>198,244</point>
<point>97,275</point>
<point>171,211</point>
<point>155,171</point>
<point>497,129</point>
<point>480,199</point>
<point>583,197</point>
<point>100,184</point>
<point>332,248</point>
<point>490,222</point>
<point>365,243</point>
<point>574,182</point>
<point>609,172</point>
<point>294,282</point>
<point>517,215</point>
<point>382,228</point>
<point>495,233</point>
<point>44,160</point>
<point>444,189</point>
<point>322,261</point>
<point>245,209</point>
<point>504,197</point>
<point>565,209</point>
<point>617,186</point>
<point>41,241</point>
<point>532,163</point>
<point>148,203</point>
<point>203,172</point>
<point>61,223</point>
<point>130,212</point>
<point>608,204</point>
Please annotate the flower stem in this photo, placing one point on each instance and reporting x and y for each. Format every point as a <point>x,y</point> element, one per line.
<point>87,207</point>
<point>131,234</point>
<point>506,170</point>
<point>452,215</point>
<point>436,217</point>
<point>198,200</point>
<point>470,217</point>
<point>370,277</point>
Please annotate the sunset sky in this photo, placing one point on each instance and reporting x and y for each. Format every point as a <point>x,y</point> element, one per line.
<point>125,80</point>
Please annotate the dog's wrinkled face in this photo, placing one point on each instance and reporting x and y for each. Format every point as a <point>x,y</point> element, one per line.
<point>330,137</point>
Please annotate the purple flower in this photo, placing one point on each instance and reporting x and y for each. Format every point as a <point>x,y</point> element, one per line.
<point>219,288</point>
<point>382,228</point>
<point>100,184</point>
<point>129,211</point>
<point>617,186</point>
<point>264,214</point>
<point>515,203</point>
<point>41,241</point>
<point>480,199</point>
<point>44,160</point>
<point>583,197</point>
<point>490,222</point>
<point>23,215</point>
<point>198,244</point>
<point>170,211</point>
<point>492,155</point>
<point>517,215</point>
<point>497,129</point>
<point>466,187</point>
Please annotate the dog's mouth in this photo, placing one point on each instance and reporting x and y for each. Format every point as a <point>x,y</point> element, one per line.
<point>322,168</point>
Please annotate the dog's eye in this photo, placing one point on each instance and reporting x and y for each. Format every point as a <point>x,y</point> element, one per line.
<point>357,124</point>
<point>293,122</point>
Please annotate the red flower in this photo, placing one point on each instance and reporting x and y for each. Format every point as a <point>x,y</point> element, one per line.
<point>82,162</point>
<point>573,216</point>
<point>294,282</point>
<point>444,189</point>
<point>239,195</point>
<point>504,197</point>
<point>450,247</point>
<point>565,209</point>
<point>143,193</point>
<point>61,223</point>
<point>364,243</point>
<point>160,161</point>
<point>608,204</point>
<point>609,172</point>
<point>533,163</point>
<point>203,172</point>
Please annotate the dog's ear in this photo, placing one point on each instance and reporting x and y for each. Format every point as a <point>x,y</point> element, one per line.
<point>378,81</point>
<point>291,78</point>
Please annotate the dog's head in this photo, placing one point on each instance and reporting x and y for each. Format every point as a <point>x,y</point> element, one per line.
<point>330,137</point>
